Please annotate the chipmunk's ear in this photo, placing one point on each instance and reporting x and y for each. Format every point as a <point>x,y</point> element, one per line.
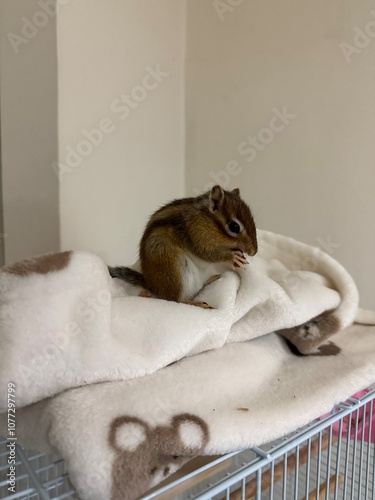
<point>236,192</point>
<point>216,198</point>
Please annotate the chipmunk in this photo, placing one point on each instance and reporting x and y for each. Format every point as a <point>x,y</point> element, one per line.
<point>185,240</point>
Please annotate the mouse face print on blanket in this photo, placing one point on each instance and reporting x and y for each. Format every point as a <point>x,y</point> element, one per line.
<point>309,336</point>
<point>146,455</point>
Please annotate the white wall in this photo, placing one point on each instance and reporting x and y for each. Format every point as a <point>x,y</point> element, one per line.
<point>104,49</point>
<point>28,92</point>
<point>315,180</point>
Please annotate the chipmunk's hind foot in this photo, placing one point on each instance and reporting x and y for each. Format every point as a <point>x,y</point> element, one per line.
<point>203,305</point>
<point>213,278</point>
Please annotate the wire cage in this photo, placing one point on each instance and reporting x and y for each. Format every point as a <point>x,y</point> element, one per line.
<point>331,458</point>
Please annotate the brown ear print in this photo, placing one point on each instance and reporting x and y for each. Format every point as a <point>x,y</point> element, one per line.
<point>190,434</point>
<point>216,198</point>
<point>127,433</point>
<point>43,264</point>
<point>236,191</point>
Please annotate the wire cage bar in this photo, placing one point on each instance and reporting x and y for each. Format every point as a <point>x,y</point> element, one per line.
<point>331,458</point>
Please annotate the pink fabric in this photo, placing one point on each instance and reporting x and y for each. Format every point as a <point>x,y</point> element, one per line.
<point>363,419</point>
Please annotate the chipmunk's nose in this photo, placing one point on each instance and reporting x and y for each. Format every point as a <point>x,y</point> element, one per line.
<point>251,249</point>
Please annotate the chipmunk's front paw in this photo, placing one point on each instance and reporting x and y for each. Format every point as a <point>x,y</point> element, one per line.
<point>239,259</point>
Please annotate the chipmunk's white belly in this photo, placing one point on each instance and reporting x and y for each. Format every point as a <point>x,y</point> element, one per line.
<point>195,273</point>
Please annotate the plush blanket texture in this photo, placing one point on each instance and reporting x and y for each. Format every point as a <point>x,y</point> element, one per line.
<point>65,324</point>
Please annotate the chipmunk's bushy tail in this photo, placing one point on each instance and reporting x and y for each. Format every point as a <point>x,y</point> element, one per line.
<point>129,275</point>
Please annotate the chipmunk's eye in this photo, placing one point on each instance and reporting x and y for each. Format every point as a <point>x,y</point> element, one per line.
<point>234,227</point>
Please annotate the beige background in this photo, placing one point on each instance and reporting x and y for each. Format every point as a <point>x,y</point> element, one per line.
<point>28,94</point>
<point>314,180</point>
<point>105,202</point>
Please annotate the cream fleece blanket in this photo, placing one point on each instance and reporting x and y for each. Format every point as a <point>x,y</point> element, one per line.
<point>65,323</point>
<point>121,438</point>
